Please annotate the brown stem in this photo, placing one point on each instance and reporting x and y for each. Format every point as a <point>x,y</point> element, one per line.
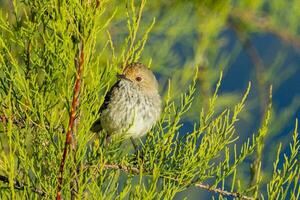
<point>222,192</point>
<point>70,130</point>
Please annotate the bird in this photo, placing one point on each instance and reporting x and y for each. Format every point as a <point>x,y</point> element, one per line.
<point>132,106</point>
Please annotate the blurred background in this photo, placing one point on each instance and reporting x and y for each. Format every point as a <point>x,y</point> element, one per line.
<point>249,40</point>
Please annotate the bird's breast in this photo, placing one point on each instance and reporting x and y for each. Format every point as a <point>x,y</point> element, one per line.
<point>130,112</point>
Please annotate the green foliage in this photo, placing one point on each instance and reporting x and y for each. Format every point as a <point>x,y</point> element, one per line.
<point>40,45</point>
<point>287,179</point>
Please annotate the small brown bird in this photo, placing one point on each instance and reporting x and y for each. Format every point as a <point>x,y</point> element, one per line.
<point>133,104</point>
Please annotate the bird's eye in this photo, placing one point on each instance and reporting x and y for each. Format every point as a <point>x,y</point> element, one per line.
<point>138,78</point>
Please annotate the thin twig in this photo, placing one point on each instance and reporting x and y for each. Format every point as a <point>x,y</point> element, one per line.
<point>123,168</point>
<point>222,192</point>
<point>207,187</point>
<point>21,186</point>
<point>71,120</point>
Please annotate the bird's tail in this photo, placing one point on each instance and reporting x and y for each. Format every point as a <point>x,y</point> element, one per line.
<point>96,126</point>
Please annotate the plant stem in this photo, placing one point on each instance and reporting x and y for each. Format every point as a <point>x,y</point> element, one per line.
<point>71,125</point>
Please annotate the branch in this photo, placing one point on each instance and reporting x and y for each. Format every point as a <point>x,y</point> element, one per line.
<point>259,69</point>
<point>256,60</point>
<point>134,170</point>
<point>70,130</point>
<point>222,192</point>
<point>207,187</point>
<point>21,186</point>
<point>265,24</point>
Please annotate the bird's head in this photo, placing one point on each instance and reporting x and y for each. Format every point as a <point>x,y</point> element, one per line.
<point>140,76</point>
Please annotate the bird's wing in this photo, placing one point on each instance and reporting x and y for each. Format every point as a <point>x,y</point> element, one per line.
<point>96,127</point>
<point>108,96</point>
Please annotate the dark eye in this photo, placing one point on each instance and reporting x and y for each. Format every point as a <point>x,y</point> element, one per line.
<point>138,78</point>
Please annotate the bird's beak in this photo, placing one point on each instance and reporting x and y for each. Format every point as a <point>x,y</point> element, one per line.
<point>122,76</point>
